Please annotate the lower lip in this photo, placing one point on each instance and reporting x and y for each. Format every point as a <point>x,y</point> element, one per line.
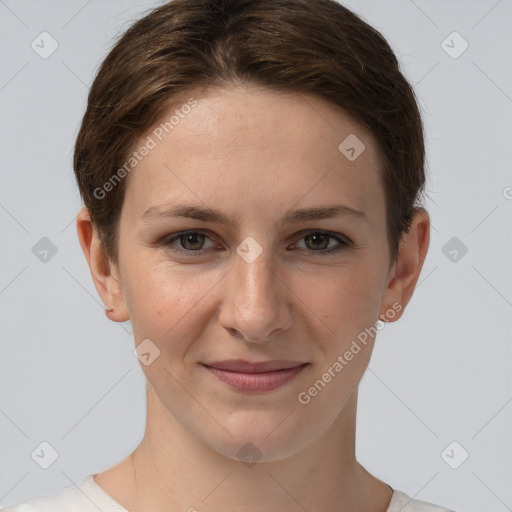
<point>266,381</point>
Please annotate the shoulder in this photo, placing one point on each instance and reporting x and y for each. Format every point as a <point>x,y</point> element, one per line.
<point>401,502</point>
<point>65,501</point>
<point>86,496</point>
<point>69,499</point>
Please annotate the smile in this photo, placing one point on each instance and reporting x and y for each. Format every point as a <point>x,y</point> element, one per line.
<point>255,377</point>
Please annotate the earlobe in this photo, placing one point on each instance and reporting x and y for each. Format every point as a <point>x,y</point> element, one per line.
<point>107,284</point>
<point>407,268</point>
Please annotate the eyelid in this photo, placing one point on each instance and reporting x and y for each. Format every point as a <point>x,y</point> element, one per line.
<point>338,236</point>
<point>343,241</point>
<point>167,241</point>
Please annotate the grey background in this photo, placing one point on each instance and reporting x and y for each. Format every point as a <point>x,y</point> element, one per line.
<point>68,376</point>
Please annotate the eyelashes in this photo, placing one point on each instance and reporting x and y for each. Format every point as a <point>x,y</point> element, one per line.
<point>194,238</point>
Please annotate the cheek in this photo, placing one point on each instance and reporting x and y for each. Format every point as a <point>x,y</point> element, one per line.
<point>345,299</point>
<point>168,302</point>
<point>170,308</point>
<point>348,308</point>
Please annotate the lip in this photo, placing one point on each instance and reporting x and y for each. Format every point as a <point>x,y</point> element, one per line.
<point>255,376</point>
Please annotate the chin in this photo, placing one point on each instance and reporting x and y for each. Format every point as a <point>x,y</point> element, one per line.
<point>256,436</point>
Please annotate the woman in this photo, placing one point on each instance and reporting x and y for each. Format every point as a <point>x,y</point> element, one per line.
<point>224,140</point>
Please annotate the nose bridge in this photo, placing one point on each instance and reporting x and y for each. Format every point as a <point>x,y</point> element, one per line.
<point>254,282</point>
<point>253,304</point>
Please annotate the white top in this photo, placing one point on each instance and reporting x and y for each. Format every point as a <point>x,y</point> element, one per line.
<point>88,496</point>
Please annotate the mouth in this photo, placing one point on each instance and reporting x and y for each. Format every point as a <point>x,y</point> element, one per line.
<point>257,376</point>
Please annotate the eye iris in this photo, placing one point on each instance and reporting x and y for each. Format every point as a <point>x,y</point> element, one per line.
<point>195,241</point>
<point>315,237</point>
<point>192,237</point>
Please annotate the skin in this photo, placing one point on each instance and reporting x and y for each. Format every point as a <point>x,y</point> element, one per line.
<point>253,154</point>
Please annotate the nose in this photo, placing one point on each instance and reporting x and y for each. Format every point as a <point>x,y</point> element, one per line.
<point>255,303</point>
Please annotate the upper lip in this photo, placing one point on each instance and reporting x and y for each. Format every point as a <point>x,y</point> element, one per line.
<point>239,365</point>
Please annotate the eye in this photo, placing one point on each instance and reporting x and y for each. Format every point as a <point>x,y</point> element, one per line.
<point>317,242</point>
<point>191,241</point>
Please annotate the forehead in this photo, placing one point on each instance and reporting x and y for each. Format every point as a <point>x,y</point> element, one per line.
<point>245,145</point>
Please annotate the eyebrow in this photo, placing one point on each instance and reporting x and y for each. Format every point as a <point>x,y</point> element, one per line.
<point>291,216</point>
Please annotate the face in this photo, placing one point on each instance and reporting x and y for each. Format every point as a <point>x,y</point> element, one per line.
<point>247,235</point>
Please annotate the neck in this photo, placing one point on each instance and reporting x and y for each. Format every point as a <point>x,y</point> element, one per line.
<point>172,470</point>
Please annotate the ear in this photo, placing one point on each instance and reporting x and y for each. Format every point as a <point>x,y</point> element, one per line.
<point>406,270</point>
<point>104,273</point>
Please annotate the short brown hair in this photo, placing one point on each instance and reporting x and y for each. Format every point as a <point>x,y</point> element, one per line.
<point>315,47</point>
